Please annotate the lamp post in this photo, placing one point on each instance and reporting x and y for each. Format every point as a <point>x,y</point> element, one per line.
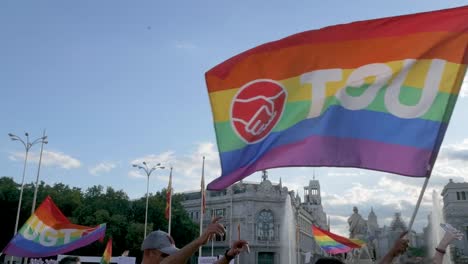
<point>43,141</point>
<point>148,171</point>
<point>27,146</point>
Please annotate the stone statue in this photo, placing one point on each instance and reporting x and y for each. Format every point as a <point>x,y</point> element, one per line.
<point>357,225</point>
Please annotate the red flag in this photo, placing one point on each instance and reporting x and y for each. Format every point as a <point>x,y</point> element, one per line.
<point>169,197</point>
<point>202,185</point>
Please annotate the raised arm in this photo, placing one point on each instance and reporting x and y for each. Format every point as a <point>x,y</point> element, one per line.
<point>184,253</point>
<point>398,248</point>
<point>450,234</point>
<point>237,247</point>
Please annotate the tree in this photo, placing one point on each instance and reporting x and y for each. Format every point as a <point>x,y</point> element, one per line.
<point>96,205</point>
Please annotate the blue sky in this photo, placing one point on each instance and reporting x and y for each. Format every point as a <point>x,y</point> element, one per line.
<point>115,82</point>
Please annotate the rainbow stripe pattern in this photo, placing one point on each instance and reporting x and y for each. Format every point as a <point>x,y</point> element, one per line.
<point>48,232</point>
<point>374,94</point>
<point>106,257</point>
<point>334,244</point>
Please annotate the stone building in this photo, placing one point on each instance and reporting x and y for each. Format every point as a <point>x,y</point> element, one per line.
<point>269,216</point>
<point>455,211</point>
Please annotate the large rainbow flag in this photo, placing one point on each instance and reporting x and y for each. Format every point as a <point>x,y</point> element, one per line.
<point>48,232</point>
<point>374,94</point>
<point>334,244</point>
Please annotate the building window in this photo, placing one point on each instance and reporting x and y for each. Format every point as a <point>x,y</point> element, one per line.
<point>196,215</point>
<point>222,238</point>
<point>266,257</point>
<point>191,215</point>
<point>218,212</point>
<point>461,196</point>
<point>265,226</point>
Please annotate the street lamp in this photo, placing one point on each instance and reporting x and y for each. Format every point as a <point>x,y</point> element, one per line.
<point>43,141</point>
<point>27,146</point>
<point>148,171</point>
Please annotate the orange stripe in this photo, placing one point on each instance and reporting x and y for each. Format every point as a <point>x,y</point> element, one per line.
<point>296,60</point>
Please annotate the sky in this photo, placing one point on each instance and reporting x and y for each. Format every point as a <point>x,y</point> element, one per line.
<point>118,82</point>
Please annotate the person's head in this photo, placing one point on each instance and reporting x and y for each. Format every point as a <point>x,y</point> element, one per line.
<point>157,246</point>
<point>355,209</point>
<point>327,260</point>
<point>70,260</point>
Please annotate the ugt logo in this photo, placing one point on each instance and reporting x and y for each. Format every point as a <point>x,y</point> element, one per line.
<point>257,108</point>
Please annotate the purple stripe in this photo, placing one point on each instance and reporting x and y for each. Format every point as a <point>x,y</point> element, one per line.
<point>337,251</point>
<point>22,247</point>
<point>336,152</point>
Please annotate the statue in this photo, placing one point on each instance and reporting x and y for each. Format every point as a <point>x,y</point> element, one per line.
<point>357,225</point>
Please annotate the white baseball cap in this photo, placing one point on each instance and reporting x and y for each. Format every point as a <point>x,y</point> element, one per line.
<point>161,241</point>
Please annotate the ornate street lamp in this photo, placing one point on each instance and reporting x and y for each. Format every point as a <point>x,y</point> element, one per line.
<point>27,146</point>
<point>148,171</point>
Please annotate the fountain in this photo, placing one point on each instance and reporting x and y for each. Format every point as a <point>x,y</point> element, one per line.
<point>436,231</point>
<point>288,234</point>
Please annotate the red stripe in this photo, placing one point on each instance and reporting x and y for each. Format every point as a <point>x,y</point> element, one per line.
<point>448,20</point>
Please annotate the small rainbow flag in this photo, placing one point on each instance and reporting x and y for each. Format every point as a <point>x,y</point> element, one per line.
<point>106,257</point>
<point>48,232</point>
<point>334,244</point>
<point>375,94</point>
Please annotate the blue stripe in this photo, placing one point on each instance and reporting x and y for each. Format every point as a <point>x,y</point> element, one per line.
<point>342,123</point>
<point>340,246</point>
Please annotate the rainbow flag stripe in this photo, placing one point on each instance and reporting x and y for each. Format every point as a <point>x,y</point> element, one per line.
<point>48,232</point>
<point>334,244</point>
<point>374,94</point>
<point>106,257</point>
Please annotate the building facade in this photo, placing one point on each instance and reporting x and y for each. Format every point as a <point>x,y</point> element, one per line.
<point>455,211</point>
<point>275,221</point>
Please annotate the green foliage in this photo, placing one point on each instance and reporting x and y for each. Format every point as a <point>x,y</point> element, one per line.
<point>96,205</point>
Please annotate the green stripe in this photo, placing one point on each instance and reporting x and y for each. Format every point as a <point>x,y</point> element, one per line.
<point>227,138</point>
<point>298,111</point>
<point>293,113</point>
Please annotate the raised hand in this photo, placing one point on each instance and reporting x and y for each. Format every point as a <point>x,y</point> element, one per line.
<point>214,228</point>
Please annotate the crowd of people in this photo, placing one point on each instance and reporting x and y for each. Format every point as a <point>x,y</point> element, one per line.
<point>159,248</point>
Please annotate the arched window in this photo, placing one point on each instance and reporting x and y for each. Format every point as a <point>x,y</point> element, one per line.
<point>265,225</point>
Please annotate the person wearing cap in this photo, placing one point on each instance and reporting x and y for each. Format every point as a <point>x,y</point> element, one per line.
<point>159,247</point>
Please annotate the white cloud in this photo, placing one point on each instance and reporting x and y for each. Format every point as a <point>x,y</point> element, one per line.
<point>464,88</point>
<point>49,158</point>
<point>452,161</point>
<point>103,167</point>
<point>342,188</point>
<point>187,168</point>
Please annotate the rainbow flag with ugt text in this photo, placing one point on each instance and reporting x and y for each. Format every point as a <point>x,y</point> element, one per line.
<point>48,232</point>
<point>374,94</point>
<point>334,244</point>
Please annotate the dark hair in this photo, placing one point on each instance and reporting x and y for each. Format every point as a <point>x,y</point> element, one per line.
<point>329,261</point>
<point>69,260</point>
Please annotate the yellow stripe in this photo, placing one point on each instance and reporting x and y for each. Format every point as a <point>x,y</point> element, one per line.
<point>221,100</point>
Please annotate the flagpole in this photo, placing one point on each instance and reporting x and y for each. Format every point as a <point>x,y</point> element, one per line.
<point>417,205</point>
<point>170,202</point>
<point>415,212</point>
<point>202,193</point>
<point>212,247</point>
<point>238,238</point>
<point>230,221</point>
